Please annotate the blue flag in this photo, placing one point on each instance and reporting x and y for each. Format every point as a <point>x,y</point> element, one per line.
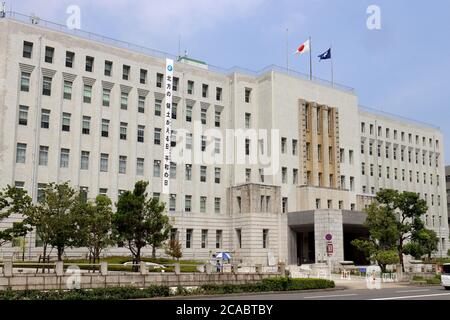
<point>326,55</point>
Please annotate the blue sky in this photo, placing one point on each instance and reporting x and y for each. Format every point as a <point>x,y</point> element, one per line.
<point>404,68</point>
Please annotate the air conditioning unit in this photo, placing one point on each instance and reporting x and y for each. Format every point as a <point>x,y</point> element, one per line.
<point>34,19</point>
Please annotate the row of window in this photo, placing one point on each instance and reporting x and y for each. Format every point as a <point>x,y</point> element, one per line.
<point>395,135</point>
<point>402,155</point>
<point>204,243</point>
<point>104,163</point>
<point>126,71</point>
<point>371,172</point>
<point>373,191</point>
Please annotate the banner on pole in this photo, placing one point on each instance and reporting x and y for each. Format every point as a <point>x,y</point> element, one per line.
<point>167,127</point>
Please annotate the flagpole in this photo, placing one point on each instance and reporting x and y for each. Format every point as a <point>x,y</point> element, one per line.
<point>287,50</point>
<point>310,60</point>
<point>332,65</point>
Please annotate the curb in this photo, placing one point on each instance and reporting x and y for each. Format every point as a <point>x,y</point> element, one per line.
<point>340,288</point>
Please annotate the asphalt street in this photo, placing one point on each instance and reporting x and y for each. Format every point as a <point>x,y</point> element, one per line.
<point>398,293</point>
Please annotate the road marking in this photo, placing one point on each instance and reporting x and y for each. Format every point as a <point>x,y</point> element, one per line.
<point>410,297</point>
<point>331,296</point>
<point>406,291</point>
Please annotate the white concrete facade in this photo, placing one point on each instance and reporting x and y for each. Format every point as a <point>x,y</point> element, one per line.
<point>276,100</point>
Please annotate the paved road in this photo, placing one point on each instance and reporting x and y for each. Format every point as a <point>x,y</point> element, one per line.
<point>399,293</point>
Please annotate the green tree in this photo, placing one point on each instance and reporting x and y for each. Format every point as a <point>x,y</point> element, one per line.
<point>383,232</point>
<point>95,221</point>
<point>423,242</point>
<point>159,224</point>
<point>174,249</point>
<point>14,201</point>
<point>134,220</point>
<point>397,216</point>
<point>54,217</point>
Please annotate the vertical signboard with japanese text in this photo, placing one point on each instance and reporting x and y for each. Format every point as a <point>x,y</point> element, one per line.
<point>167,126</point>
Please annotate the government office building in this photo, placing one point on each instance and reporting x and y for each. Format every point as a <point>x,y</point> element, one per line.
<point>75,107</point>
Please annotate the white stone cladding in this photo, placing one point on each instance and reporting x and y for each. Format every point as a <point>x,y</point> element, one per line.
<point>274,104</point>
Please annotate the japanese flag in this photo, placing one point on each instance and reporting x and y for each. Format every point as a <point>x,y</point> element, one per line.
<point>303,48</point>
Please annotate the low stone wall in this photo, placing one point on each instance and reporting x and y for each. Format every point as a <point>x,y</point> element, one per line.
<point>96,280</point>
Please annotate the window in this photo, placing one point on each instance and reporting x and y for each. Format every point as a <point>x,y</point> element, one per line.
<point>202,173</point>
<point>140,133</point>
<point>173,202</point>
<point>202,204</point>
<point>47,86</point>
<point>45,119</point>
<point>295,176</point>
<point>68,90</point>
<point>123,131</point>
<point>122,164</point>
<point>25,81</point>
<point>89,64</point>
<point>158,107</point>
<point>27,49</point>
<point>49,53</point>
<point>124,101</point>
<point>284,175</point>
<point>319,153</point>
<point>265,238</point>
<point>159,80</point>
<point>174,110</point>
<point>217,143</point>
<point>86,125</point>
<point>66,122</point>
<point>294,147</point>
<point>141,104</point>
<point>204,239</point>
<point>363,127</point>
<point>218,94</point>
<point>19,184</point>
<point>104,162</point>
<point>189,113</point>
<point>203,114</point>
<point>64,158</point>
<point>188,174</point>
<point>371,170</point>
<point>248,93</point>
<point>156,168</point>
<point>173,170</point>
<point>188,141</point>
<point>247,146</point>
<point>188,238</point>
<point>248,120</point>
<point>125,72</point>
<point>173,138</point>
<point>108,68</point>
<point>261,175</point>
<point>219,234</point>
<point>217,175</point>
<point>284,205</point>
<point>175,83</point>
<point>70,57</point>
<point>217,119</point>
<point>143,76</point>
<point>84,163</point>
<point>205,88</point>
<point>106,97</point>
<point>217,205</point>
<point>352,184</point>
<point>40,194</point>
<point>187,203</point>
<point>239,238</point>
<point>190,88</point>
<point>248,175</point>
<point>43,155</point>
<point>87,94</point>
<point>21,151</point>
<point>23,115</point>
<point>105,128</point>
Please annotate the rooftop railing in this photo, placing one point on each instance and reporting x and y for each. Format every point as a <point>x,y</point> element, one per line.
<point>34,20</point>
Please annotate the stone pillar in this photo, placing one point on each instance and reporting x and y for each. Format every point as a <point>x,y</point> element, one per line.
<point>177,268</point>
<point>104,268</point>
<point>399,272</point>
<point>258,268</point>
<point>59,268</point>
<point>329,221</point>
<point>208,268</point>
<point>282,269</point>
<point>143,268</point>
<point>8,268</point>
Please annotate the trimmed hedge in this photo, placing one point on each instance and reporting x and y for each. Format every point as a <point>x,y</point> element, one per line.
<point>123,293</point>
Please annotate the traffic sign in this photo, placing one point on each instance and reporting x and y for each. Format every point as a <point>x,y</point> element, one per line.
<point>329,237</point>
